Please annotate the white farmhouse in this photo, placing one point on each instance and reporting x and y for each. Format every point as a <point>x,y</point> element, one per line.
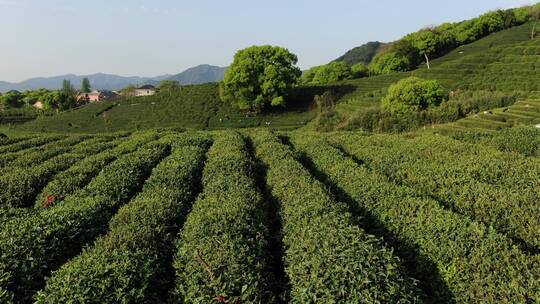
<point>145,90</point>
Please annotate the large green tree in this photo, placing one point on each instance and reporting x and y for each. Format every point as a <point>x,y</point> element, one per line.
<point>413,94</point>
<point>12,99</point>
<point>260,76</point>
<point>67,98</point>
<point>85,85</point>
<point>430,42</point>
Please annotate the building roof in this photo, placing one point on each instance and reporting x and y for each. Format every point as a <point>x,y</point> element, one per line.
<point>146,87</point>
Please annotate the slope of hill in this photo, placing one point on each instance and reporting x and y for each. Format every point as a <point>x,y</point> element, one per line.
<point>200,74</point>
<point>192,107</point>
<point>523,112</point>
<point>506,61</point>
<point>362,54</point>
<point>195,75</point>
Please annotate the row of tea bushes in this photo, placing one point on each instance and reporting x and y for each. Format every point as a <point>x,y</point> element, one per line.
<point>343,263</point>
<point>222,249</point>
<point>34,156</point>
<point>29,143</point>
<point>474,262</point>
<point>129,263</point>
<point>499,189</point>
<point>37,244</point>
<point>78,175</point>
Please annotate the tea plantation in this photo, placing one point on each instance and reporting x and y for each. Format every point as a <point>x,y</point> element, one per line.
<point>163,216</point>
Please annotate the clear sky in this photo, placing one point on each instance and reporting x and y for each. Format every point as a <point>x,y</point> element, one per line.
<point>149,38</point>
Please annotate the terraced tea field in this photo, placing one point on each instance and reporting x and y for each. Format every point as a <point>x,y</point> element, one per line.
<point>262,217</point>
<point>506,61</point>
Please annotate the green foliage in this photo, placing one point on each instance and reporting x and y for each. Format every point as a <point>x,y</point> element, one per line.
<point>222,250</point>
<point>85,86</point>
<point>464,261</point>
<point>390,62</point>
<point>359,70</point>
<point>78,175</point>
<point>308,75</point>
<point>332,72</point>
<point>486,185</point>
<point>128,264</point>
<point>189,107</point>
<point>168,86</point>
<point>24,176</point>
<point>12,99</point>
<point>413,95</point>
<point>362,269</point>
<point>431,42</point>
<point>34,245</point>
<point>260,76</point>
<point>524,140</point>
<point>362,54</point>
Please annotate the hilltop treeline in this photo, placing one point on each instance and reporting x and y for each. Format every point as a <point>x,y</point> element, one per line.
<point>415,48</point>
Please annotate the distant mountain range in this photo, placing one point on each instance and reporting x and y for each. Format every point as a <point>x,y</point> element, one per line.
<point>196,75</point>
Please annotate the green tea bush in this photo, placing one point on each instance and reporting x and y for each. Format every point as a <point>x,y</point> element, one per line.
<point>222,249</point>
<point>524,140</point>
<point>345,264</point>
<point>77,176</point>
<point>490,187</point>
<point>475,262</point>
<point>33,156</point>
<point>41,242</point>
<point>29,143</point>
<point>129,263</point>
<point>413,94</point>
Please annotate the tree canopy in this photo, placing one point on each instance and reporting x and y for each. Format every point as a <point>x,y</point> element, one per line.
<point>332,72</point>
<point>413,94</point>
<point>260,76</point>
<point>359,70</point>
<point>323,74</point>
<point>85,86</point>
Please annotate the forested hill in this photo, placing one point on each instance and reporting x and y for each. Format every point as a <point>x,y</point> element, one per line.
<point>362,54</point>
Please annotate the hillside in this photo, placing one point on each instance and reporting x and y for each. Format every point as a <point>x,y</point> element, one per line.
<point>200,74</point>
<point>159,215</point>
<point>362,54</point>
<point>192,107</point>
<point>506,61</point>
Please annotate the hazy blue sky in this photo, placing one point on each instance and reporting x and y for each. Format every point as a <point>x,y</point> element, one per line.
<point>148,38</point>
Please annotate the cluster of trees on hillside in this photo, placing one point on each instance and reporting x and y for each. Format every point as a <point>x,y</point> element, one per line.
<point>332,72</point>
<point>62,99</point>
<point>432,42</point>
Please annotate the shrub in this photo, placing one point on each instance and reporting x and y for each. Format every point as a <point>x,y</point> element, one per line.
<point>359,70</point>
<point>128,265</point>
<point>77,176</point>
<point>362,269</point>
<point>390,62</point>
<point>222,249</point>
<point>332,72</point>
<point>413,95</point>
<point>524,140</point>
<point>39,243</point>
<point>474,262</point>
